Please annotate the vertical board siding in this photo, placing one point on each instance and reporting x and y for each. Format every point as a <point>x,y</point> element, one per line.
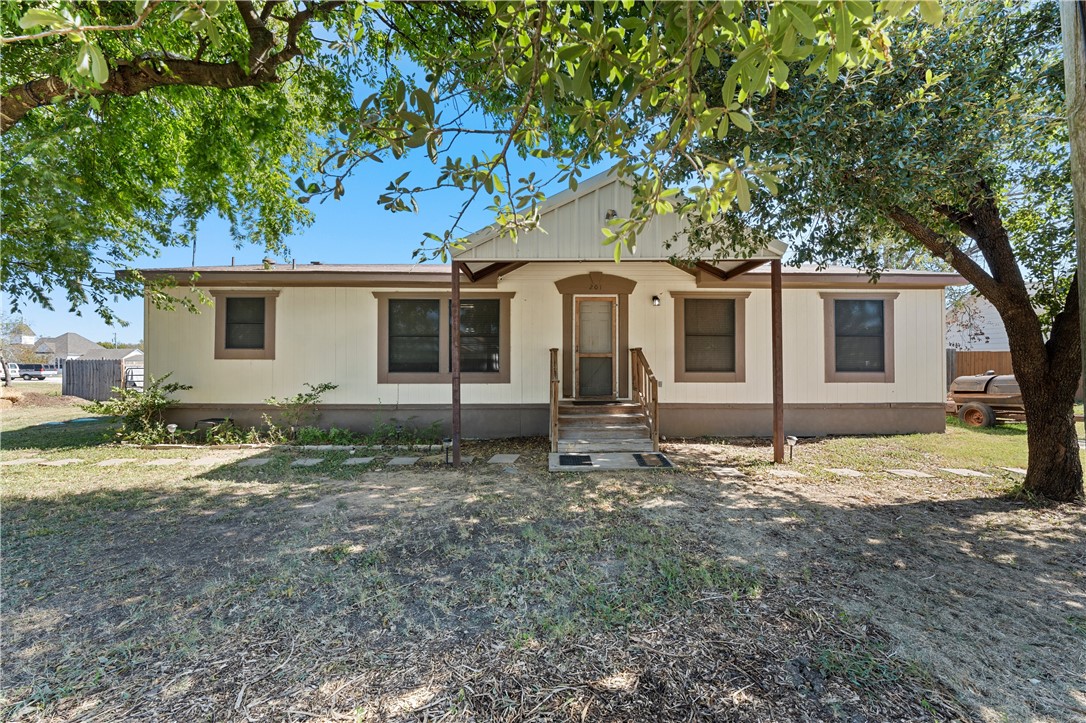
<point>91,378</point>
<point>969,363</point>
<point>327,334</point>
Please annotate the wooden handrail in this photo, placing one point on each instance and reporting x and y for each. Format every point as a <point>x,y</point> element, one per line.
<point>646,392</point>
<point>555,384</point>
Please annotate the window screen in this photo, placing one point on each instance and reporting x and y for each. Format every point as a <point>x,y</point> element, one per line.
<point>480,328</point>
<point>859,335</point>
<point>413,337</point>
<point>244,322</point>
<point>710,335</point>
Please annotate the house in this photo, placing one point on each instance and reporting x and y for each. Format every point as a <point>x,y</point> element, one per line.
<point>551,328</point>
<point>58,349</point>
<point>973,324</point>
<point>128,357</point>
<point>21,334</point>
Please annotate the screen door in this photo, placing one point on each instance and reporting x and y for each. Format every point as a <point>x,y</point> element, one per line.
<point>595,346</point>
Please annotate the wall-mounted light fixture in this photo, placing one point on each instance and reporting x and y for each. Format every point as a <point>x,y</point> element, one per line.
<point>611,213</point>
<point>655,300</point>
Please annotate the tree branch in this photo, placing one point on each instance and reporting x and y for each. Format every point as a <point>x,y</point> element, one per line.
<point>943,248</point>
<point>84,28</point>
<point>131,77</point>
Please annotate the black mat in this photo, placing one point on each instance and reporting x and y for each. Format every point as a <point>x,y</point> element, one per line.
<point>574,460</point>
<point>652,460</point>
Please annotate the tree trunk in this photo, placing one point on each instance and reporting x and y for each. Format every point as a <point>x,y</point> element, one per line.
<point>1047,374</point>
<point>1055,469</point>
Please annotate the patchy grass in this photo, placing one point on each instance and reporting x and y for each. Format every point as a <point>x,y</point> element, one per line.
<point>207,590</point>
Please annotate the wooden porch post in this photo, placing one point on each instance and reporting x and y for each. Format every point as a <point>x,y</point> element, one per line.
<point>778,362</point>
<point>454,341</point>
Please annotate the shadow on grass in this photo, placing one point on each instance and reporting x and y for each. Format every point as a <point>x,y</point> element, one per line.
<point>415,581</point>
<point>1002,429</point>
<point>63,435</point>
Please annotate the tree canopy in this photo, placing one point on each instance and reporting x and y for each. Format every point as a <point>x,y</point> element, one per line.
<point>959,151</point>
<point>123,124</point>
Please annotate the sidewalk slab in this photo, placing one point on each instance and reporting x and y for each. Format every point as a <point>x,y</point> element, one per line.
<point>963,472</point>
<point>352,461</point>
<point>845,472</point>
<point>913,473</point>
<point>503,459</point>
<point>403,461</point>
<point>307,462</point>
<point>254,462</point>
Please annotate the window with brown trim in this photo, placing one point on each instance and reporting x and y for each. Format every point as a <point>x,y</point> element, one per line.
<point>415,332</point>
<point>859,337</point>
<point>244,324</point>
<point>710,343</point>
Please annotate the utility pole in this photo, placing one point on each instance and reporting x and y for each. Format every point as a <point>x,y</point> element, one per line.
<point>1073,22</point>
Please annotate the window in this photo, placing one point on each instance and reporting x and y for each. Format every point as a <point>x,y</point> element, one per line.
<point>709,337</point>
<point>858,330</point>
<point>859,337</point>
<point>245,324</point>
<point>414,335</point>
<point>415,338</point>
<point>480,335</point>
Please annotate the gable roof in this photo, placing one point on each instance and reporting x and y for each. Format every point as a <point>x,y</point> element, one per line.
<point>66,345</point>
<point>571,229</point>
<point>101,353</point>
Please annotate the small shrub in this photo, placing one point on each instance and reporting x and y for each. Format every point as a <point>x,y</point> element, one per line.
<point>406,434</point>
<point>140,412</point>
<point>297,411</point>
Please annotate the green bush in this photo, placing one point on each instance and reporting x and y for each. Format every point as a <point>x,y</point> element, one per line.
<point>294,413</point>
<point>140,412</point>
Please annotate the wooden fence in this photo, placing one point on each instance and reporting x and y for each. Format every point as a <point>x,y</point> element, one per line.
<point>92,378</point>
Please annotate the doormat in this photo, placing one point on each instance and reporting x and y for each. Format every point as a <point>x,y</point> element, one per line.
<point>652,460</point>
<point>575,460</point>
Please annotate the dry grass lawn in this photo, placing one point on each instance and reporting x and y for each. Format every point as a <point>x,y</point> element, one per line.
<point>205,590</point>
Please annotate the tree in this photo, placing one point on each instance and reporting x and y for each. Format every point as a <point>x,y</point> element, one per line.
<point>961,151</point>
<point>123,124</point>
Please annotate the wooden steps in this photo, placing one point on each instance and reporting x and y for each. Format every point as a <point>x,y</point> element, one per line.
<point>602,427</point>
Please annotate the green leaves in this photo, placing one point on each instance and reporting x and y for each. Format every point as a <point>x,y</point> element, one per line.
<point>91,63</point>
<point>36,17</point>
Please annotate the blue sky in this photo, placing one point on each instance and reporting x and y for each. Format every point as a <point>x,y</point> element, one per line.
<point>352,230</point>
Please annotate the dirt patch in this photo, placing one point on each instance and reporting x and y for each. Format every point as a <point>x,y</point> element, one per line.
<point>23,398</point>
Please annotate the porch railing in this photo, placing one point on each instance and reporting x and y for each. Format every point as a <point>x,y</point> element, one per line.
<point>646,393</point>
<point>555,395</point>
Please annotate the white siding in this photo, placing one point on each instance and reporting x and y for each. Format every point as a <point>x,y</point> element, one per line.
<point>327,334</point>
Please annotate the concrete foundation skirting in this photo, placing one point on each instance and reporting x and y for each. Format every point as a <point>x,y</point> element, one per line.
<point>483,421</point>
<point>493,421</point>
<point>800,420</point>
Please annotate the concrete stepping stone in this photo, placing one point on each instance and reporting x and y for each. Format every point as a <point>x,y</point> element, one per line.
<point>61,462</point>
<point>352,461</point>
<point>23,460</point>
<point>730,472</point>
<point>168,462</point>
<point>207,461</point>
<point>962,472</point>
<point>307,462</point>
<point>403,461</point>
<point>115,462</point>
<point>845,472</point>
<point>254,462</point>
<point>1016,470</point>
<point>910,473</point>
<point>503,459</point>
<point>787,473</point>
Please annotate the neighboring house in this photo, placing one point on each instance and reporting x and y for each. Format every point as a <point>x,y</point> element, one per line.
<point>58,349</point>
<point>129,357</point>
<point>973,324</point>
<point>21,334</point>
<point>858,358</point>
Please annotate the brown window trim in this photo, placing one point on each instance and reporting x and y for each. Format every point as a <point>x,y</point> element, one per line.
<point>221,352</point>
<point>740,373</point>
<point>835,377</point>
<point>443,375</point>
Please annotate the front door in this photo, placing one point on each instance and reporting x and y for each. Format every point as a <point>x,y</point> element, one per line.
<point>595,333</point>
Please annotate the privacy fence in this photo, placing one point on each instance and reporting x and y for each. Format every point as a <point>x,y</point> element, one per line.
<point>96,378</point>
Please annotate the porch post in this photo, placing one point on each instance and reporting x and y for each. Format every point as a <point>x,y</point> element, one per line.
<point>454,341</point>
<point>778,362</point>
